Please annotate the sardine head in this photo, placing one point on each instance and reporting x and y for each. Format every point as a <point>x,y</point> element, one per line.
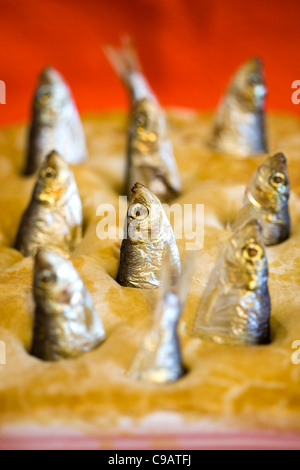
<point>55,280</point>
<point>51,96</point>
<point>272,177</point>
<point>246,257</point>
<point>249,87</point>
<point>145,217</point>
<point>54,180</point>
<point>148,127</point>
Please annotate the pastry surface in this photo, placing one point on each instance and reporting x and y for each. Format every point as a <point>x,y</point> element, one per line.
<point>255,387</point>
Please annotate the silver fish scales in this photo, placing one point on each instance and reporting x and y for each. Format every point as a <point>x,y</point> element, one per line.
<point>159,359</point>
<point>66,321</point>
<point>55,123</point>
<point>148,235</point>
<point>53,218</point>
<point>150,158</point>
<point>240,128</point>
<point>268,193</point>
<point>235,308</point>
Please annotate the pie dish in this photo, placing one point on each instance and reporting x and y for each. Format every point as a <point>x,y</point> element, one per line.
<point>227,389</point>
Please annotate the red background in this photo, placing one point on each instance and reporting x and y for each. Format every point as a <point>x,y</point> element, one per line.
<point>189,48</point>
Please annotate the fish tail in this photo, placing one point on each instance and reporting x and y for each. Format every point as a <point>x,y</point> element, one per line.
<point>124,59</point>
<point>126,64</point>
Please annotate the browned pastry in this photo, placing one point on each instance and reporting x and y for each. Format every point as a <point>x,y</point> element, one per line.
<point>252,387</point>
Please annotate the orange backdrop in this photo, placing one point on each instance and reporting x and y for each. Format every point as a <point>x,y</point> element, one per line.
<point>189,48</point>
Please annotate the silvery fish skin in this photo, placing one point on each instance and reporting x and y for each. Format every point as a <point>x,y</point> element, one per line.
<point>235,308</point>
<point>55,123</point>
<point>268,192</point>
<point>148,234</point>
<point>150,157</point>
<point>240,121</point>
<point>66,321</point>
<point>150,154</point>
<point>159,359</point>
<point>53,218</point>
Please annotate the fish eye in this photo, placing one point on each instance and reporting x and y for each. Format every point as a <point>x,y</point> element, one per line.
<point>47,277</point>
<point>44,96</point>
<point>141,120</point>
<point>138,211</point>
<point>252,252</point>
<point>277,179</point>
<point>50,173</point>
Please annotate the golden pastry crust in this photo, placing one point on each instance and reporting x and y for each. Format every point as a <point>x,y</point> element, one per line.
<point>244,387</point>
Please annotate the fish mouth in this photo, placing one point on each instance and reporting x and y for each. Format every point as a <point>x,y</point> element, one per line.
<point>139,193</point>
<point>278,161</point>
<point>252,72</point>
<point>253,65</point>
<point>256,63</point>
<point>142,195</point>
<point>49,76</point>
<point>137,187</point>
<point>249,229</point>
<point>56,161</point>
<point>46,259</point>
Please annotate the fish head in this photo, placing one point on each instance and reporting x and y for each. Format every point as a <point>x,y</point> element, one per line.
<point>52,95</point>
<point>272,178</point>
<point>54,180</point>
<point>246,260</point>
<point>56,281</point>
<point>148,126</point>
<point>145,216</point>
<point>248,86</point>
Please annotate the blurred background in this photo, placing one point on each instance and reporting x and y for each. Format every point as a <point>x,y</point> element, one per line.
<point>188,48</point>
